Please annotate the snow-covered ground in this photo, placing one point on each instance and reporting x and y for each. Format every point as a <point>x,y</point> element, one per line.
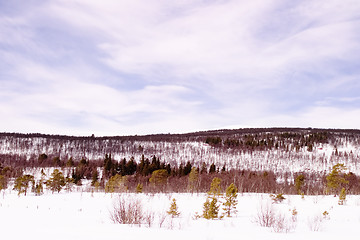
<point>86,215</point>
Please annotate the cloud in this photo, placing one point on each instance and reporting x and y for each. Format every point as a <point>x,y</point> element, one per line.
<point>125,67</point>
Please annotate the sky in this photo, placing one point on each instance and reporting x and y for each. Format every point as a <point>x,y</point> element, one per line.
<point>131,67</point>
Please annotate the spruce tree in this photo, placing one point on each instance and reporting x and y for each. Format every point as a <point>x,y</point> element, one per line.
<point>342,196</point>
<point>56,182</point>
<point>139,188</point>
<point>215,188</point>
<point>211,206</point>
<point>193,179</point>
<point>230,200</point>
<point>173,211</point>
<point>336,178</point>
<point>22,183</point>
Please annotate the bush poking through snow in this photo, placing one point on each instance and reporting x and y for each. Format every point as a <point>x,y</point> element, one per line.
<point>315,223</point>
<point>127,210</point>
<point>277,198</point>
<point>265,216</point>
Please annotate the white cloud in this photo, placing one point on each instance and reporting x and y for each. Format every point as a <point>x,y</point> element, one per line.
<point>135,67</point>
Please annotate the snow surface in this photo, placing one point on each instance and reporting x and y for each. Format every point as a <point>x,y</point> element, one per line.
<point>86,215</point>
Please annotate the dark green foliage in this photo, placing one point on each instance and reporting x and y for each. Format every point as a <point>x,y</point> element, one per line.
<point>299,183</point>
<point>42,158</point>
<point>22,183</point>
<point>3,182</point>
<point>342,196</point>
<point>211,208</point>
<point>38,188</point>
<point>56,182</point>
<point>187,169</point>
<point>173,211</point>
<point>95,177</point>
<point>230,200</point>
<point>277,198</point>
<point>193,179</point>
<point>214,141</point>
<point>215,188</point>
<point>139,188</point>
<point>159,177</point>
<point>116,183</point>
<point>212,168</point>
<point>56,161</point>
<point>336,179</point>
<point>70,163</point>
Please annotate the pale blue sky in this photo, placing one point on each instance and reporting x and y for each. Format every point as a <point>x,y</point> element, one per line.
<point>141,67</point>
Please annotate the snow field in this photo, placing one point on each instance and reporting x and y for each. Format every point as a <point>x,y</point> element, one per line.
<point>86,215</point>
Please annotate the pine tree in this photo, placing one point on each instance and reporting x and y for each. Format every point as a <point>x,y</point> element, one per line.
<point>299,182</point>
<point>22,183</point>
<point>342,196</point>
<point>336,178</point>
<point>215,188</point>
<point>211,208</point>
<point>193,179</point>
<point>117,183</point>
<point>230,200</point>
<point>56,182</point>
<point>173,211</point>
<point>139,188</point>
<point>3,182</point>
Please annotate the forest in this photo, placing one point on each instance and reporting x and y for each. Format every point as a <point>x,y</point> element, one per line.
<point>255,160</point>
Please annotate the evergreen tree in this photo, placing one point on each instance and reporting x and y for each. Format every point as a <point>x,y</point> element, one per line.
<point>116,183</point>
<point>159,177</point>
<point>3,182</point>
<point>193,179</point>
<point>22,183</point>
<point>95,177</point>
<point>211,208</point>
<point>336,178</point>
<point>230,200</point>
<point>299,182</point>
<point>139,188</point>
<point>56,182</point>
<point>173,211</point>
<point>38,188</point>
<point>215,188</point>
<point>342,196</point>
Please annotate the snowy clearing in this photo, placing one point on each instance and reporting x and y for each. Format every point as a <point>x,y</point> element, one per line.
<point>87,216</point>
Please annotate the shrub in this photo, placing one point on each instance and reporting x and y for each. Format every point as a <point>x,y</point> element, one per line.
<point>127,210</point>
<point>315,223</point>
<point>277,198</point>
<point>265,216</point>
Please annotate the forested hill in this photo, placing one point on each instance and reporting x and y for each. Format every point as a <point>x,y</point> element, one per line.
<point>281,150</point>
